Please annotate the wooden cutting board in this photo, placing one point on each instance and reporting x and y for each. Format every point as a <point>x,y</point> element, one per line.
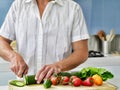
<point>105,86</point>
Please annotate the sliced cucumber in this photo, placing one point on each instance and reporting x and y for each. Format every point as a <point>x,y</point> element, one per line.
<point>20,84</point>
<point>17,83</point>
<point>26,80</point>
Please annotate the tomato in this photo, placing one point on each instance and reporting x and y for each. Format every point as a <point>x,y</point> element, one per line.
<point>65,80</point>
<point>88,82</point>
<point>72,77</point>
<point>97,79</point>
<point>55,80</point>
<point>77,82</point>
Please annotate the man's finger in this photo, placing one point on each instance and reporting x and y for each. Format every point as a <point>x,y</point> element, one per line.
<point>43,74</point>
<point>49,73</point>
<point>13,68</point>
<point>26,70</point>
<point>39,72</point>
<point>20,72</point>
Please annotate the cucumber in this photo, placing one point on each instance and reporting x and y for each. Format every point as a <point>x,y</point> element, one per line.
<point>30,80</point>
<point>17,83</point>
<point>47,83</point>
<point>75,73</point>
<point>21,84</point>
<point>64,74</point>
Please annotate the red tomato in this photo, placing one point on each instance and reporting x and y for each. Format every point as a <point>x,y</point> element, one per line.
<point>88,82</point>
<point>72,77</point>
<point>55,80</point>
<point>65,80</point>
<point>77,82</point>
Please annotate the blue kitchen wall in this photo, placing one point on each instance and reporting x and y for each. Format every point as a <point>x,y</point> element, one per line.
<point>4,7</point>
<point>99,14</point>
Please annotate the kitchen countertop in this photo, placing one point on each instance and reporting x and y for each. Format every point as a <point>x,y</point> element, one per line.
<point>103,61</point>
<point>93,61</point>
<point>3,87</point>
<point>108,61</point>
<point>4,64</point>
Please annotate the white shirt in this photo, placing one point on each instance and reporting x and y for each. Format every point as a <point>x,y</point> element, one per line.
<point>48,39</point>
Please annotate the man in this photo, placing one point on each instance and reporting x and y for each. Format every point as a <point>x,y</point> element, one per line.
<point>46,32</point>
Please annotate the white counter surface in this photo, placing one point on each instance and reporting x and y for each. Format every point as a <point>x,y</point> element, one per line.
<point>96,61</point>
<point>3,87</point>
<point>4,64</point>
<point>103,61</point>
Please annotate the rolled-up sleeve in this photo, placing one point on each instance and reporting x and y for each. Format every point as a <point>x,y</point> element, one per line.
<point>7,30</point>
<point>79,31</point>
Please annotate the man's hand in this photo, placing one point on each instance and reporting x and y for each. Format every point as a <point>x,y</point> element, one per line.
<point>18,65</point>
<point>46,72</point>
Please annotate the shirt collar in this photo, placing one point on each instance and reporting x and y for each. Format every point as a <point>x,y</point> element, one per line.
<point>60,2</point>
<point>27,1</point>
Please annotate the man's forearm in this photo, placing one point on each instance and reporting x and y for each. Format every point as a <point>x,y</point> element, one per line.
<point>6,52</point>
<point>17,63</point>
<point>75,59</point>
<point>79,55</point>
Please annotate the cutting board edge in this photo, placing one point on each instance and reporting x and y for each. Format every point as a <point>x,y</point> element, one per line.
<point>111,87</point>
